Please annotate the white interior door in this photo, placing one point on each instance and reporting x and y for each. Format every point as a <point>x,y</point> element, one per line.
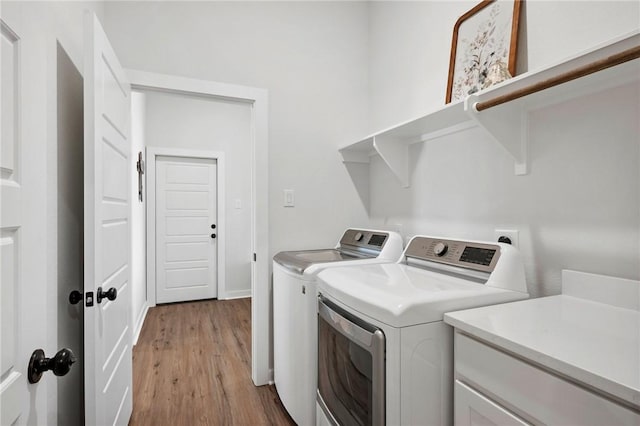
<point>24,293</point>
<point>107,170</point>
<point>12,377</point>
<point>186,229</point>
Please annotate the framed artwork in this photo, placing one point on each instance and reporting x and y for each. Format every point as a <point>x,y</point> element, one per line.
<point>484,47</point>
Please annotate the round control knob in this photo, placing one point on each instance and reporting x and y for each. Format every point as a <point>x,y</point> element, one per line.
<point>440,249</point>
<point>358,236</point>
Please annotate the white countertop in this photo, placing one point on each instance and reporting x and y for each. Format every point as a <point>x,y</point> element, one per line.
<point>594,343</point>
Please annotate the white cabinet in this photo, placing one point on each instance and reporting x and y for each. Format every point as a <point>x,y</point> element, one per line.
<point>493,387</point>
<point>474,409</point>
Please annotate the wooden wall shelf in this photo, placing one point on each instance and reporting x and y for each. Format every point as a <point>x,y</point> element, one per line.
<point>507,122</point>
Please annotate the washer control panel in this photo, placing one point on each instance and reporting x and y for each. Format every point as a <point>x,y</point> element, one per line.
<point>364,239</point>
<point>463,254</point>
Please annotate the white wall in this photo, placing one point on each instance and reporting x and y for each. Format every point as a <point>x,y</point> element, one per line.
<point>579,206</point>
<point>138,221</point>
<point>200,123</point>
<point>311,56</point>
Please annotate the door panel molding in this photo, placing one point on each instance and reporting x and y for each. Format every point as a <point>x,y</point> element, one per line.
<point>11,223</point>
<point>152,154</point>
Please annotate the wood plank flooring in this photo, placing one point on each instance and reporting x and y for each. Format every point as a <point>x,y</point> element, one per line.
<point>192,366</point>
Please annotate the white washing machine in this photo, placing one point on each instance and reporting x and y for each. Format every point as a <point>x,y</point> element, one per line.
<point>294,310</point>
<point>385,356</point>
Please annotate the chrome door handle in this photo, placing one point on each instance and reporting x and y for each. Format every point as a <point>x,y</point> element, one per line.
<point>344,326</point>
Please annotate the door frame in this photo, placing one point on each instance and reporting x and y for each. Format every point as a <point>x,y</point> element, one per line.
<point>152,154</point>
<point>257,98</point>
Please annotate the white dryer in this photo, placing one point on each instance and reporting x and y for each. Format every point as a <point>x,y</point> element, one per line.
<point>385,356</point>
<point>294,310</point>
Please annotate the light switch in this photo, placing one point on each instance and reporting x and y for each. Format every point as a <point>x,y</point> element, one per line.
<point>289,200</point>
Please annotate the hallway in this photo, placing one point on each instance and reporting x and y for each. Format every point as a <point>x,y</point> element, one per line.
<point>192,366</point>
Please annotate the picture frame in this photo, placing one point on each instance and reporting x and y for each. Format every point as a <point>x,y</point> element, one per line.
<point>483,48</point>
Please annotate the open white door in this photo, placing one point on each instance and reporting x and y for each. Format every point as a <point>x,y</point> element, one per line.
<point>107,169</point>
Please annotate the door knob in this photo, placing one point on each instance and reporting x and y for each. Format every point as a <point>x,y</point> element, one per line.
<point>59,364</point>
<point>213,226</point>
<point>74,297</point>
<point>213,235</point>
<point>110,294</point>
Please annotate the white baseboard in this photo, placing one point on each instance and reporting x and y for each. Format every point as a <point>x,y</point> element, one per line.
<point>236,294</point>
<point>140,322</point>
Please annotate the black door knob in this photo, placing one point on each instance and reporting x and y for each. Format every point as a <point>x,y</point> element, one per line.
<point>110,294</point>
<point>59,364</point>
<point>213,235</point>
<point>74,297</point>
<point>213,226</point>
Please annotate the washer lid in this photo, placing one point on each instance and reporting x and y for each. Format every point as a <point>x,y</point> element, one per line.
<point>402,295</point>
<point>298,261</point>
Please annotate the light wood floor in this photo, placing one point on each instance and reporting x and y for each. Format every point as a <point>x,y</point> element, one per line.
<point>192,366</point>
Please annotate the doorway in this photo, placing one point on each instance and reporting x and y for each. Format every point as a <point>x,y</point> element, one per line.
<point>256,206</point>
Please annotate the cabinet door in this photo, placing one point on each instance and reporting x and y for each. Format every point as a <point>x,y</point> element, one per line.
<point>533,393</point>
<point>472,408</point>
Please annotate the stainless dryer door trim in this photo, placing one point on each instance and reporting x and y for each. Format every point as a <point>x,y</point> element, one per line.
<point>368,337</point>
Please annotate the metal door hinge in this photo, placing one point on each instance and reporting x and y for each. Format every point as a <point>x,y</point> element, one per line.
<point>254,257</point>
<point>140,170</point>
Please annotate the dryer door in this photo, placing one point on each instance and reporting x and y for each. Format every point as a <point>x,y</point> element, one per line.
<point>351,369</point>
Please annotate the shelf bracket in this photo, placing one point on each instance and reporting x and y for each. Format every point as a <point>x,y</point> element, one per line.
<point>396,154</point>
<point>355,157</point>
<point>507,125</point>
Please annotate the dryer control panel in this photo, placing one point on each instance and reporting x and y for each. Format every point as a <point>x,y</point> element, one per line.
<point>464,254</point>
<point>360,238</point>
